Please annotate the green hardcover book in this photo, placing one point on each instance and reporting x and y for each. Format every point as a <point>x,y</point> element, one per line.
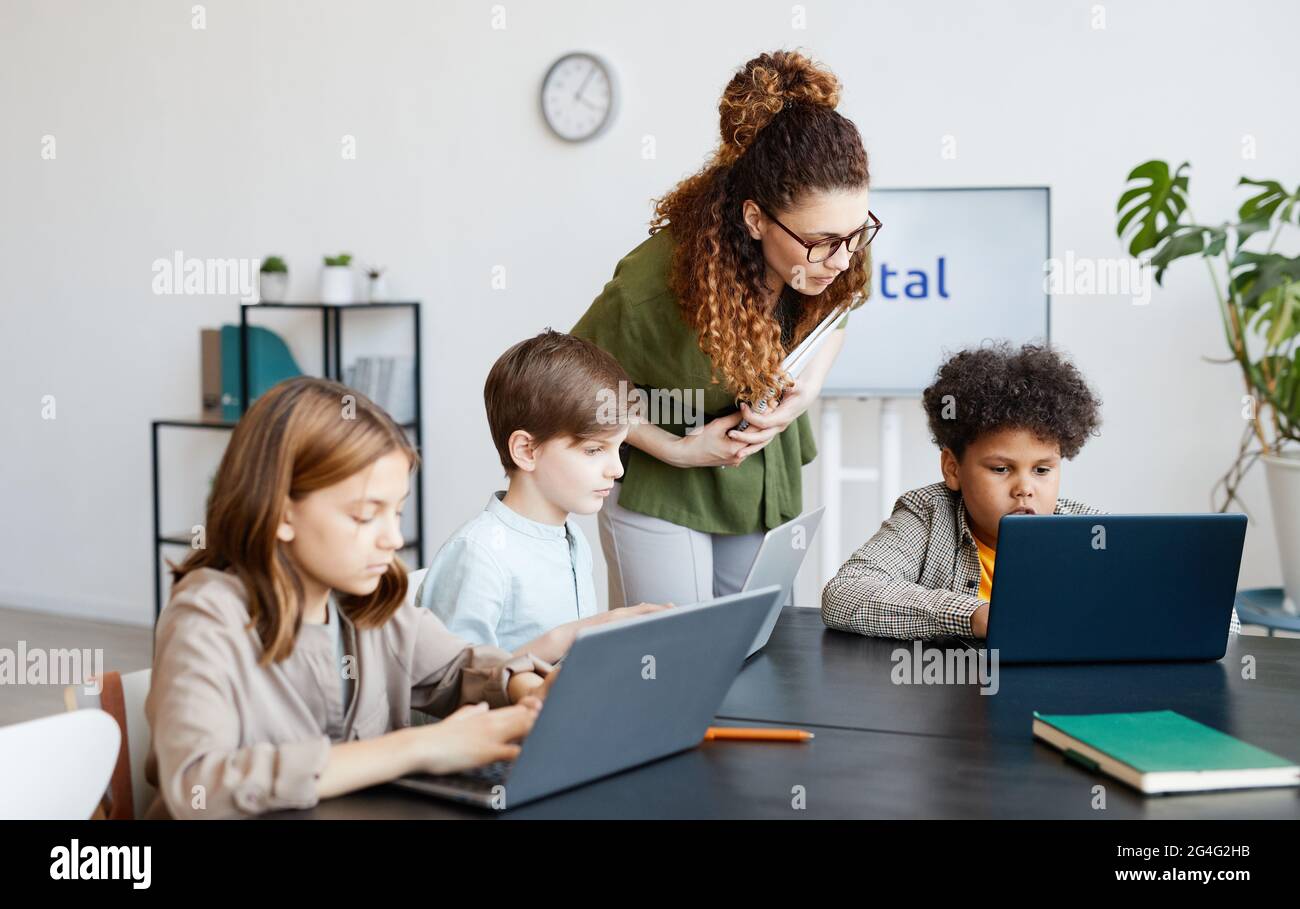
<point>1160,751</point>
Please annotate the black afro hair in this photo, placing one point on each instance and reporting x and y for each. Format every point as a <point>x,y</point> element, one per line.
<point>997,387</point>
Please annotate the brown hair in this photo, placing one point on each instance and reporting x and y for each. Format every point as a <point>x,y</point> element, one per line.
<point>781,137</point>
<point>550,385</point>
<point>302,435</point>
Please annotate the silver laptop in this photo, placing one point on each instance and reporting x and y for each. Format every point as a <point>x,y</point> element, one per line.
<point>778,562</point>
<point>630,692</point>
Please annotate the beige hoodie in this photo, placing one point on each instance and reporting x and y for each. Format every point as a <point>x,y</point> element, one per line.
<point>232,738</point>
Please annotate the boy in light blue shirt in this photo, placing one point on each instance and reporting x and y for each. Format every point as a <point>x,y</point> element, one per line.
<point>505,579</point>
<point>522,566</point>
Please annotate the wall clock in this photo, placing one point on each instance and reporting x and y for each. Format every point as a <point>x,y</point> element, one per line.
<point>579,96</point>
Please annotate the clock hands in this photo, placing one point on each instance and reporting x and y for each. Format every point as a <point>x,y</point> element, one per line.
<point>568,88</point>
<point>591,70</point>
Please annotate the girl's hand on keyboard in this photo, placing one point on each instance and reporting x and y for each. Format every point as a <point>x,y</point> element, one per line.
<point>471,737</point>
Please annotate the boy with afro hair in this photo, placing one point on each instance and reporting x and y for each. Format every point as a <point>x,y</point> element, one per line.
<point>1004,419</point>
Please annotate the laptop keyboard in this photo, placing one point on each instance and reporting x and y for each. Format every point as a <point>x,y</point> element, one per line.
<point>477,781</point>
<point>496,772</point>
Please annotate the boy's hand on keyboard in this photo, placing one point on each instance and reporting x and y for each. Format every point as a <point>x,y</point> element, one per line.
<point>979,621</point>
<point>630,612</point>
<point>471,737</point>
<point>554,644</point>
<point>621,615</point>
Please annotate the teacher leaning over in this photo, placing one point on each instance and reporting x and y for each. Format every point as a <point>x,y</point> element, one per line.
<point>744,260</point>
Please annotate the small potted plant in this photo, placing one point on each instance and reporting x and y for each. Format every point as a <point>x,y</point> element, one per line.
<point>336,279</point>
<point>376,286</point>
<point>273,281</point>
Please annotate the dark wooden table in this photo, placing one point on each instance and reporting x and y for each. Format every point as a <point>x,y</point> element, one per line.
<point>884,750</point>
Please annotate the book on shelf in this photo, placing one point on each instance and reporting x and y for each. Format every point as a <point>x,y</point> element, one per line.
<point>388,381</point>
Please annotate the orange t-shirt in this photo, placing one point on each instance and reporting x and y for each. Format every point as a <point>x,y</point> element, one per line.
<point>986,570</point>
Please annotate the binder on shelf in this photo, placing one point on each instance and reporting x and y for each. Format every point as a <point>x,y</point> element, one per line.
<point>269,362</point>
<point>272,362</point>
<point>210,366</point>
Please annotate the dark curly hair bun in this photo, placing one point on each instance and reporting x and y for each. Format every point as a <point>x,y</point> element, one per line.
<point>996,386</point>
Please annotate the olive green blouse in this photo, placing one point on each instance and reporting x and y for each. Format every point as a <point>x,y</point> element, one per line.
<point>638,320</point>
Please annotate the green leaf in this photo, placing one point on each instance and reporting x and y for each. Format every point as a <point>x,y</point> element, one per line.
<point>1255,275</point>
<point>1184,240</point>
<point>1153,208</point>
<point>1261,206</point>
<point>1247,229</point>
<point>1278,318</point>
<point>1216,245</point>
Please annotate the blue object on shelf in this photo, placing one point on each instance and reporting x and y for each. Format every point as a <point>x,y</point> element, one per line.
<point>1263,606</point>
<point>269,362</point>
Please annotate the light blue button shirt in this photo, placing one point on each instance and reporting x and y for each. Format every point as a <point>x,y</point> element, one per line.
<point>504,579</point>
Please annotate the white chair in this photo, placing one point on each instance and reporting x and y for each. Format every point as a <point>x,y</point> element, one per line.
<point>122,697</point>
<point>57,767</point>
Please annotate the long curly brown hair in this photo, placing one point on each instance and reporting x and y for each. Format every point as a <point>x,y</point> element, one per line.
<point>780,137</point>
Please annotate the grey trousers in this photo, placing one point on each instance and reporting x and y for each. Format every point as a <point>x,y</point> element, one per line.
<point>650,560</point>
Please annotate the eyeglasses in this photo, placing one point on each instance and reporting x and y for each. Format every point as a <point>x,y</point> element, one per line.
<point>821,250</point>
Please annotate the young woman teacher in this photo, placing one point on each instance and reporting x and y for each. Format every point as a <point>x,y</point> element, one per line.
<point>744,259</point>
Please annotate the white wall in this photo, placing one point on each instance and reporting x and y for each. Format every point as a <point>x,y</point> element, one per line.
<point>225,142</point>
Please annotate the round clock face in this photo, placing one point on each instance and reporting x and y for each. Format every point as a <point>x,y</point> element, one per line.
<point>578,96</point>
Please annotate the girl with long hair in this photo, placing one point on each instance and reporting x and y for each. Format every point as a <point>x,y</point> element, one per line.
<point>286,662</point>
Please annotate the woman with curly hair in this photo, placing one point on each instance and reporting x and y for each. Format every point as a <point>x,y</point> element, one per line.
<point>744,260</point>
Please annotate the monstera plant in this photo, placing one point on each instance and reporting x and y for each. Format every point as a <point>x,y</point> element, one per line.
<point>1258,293</point>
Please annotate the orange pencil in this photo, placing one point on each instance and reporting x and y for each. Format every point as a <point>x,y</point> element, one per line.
<point>736,733</point>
